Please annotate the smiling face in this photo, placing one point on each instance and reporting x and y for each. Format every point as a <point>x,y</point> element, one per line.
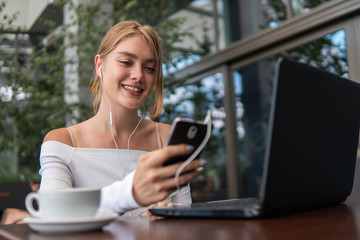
<point>129,72</point>
<point>123,36</point>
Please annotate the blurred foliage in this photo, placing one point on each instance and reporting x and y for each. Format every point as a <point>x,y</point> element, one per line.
<point>322,53</point>
<point>32,100</point>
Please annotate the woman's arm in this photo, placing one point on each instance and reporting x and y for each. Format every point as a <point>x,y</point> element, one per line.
<point>55,155</point>
<point>118,196</point>
<point>55,171</point>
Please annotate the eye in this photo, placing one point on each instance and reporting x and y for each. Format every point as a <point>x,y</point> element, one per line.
<point>150,70</point>
<point>125,63</point>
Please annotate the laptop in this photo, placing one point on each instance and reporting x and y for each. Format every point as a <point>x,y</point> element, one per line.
<point>311,148</point>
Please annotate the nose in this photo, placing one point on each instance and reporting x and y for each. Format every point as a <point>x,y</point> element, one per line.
<point>136,73</point>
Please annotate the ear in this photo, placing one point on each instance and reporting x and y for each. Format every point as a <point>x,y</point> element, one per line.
<point>98,63</point>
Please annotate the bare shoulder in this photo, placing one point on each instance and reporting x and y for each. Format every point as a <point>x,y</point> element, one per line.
<point>164,130</point>
<point>60,135</point>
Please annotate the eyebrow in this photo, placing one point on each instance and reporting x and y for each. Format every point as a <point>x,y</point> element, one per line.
<point>126,53</point>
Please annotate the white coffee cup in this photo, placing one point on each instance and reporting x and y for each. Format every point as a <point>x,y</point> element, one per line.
<point>64,204</point>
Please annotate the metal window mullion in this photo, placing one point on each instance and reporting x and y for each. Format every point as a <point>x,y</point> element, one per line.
<point>289,9</point>
<point>353,48</point>
<point>234,180</point>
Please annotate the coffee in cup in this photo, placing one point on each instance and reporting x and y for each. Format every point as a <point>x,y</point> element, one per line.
<point>64,204</point>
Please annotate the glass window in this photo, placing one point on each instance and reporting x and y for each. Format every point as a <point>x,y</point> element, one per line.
<point>212,25</point>
<point>193,101</point>
<point>327,53</point>
<point>253,87</point>
<point>275,11</point>
<point>272,13</point>
<point>203,31</point>
<point>303,6</point>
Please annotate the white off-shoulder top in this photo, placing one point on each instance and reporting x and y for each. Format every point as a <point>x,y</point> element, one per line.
<point>63,166</point>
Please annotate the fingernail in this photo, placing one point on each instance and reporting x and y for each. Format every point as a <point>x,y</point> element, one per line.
<point>200,169</point>
<point>203,163</point>
<point>189,148</point>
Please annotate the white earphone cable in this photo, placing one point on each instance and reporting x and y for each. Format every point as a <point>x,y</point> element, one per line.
<point>207,121</point>
<point>183,165</point>
<point>112,132</point>
<point>111,124</point>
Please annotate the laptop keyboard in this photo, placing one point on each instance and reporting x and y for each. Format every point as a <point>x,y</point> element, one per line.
<point>231,204</point>
<point>234,208</point>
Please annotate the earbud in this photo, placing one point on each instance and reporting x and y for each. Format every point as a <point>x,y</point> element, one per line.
<point>100,73</point>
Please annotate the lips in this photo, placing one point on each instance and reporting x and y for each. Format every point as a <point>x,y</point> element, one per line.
<point>132,89</point>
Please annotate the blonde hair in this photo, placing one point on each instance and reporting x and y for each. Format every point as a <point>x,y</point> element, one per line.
<point>113,37</point>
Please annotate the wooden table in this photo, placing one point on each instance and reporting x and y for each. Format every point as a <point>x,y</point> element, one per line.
<point>337,222</point>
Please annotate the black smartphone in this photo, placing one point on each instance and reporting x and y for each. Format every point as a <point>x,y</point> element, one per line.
<point>186,131</point>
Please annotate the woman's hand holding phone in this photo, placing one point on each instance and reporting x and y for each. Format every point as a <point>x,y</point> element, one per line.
<point>162,172</point>
<point>154,182</point>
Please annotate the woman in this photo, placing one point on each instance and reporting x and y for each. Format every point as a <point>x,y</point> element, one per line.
<point>105,150</point>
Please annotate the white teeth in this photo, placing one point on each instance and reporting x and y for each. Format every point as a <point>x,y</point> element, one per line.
<point>132,89</point>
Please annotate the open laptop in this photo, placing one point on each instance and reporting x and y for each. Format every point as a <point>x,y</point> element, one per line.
<point>310,151</point>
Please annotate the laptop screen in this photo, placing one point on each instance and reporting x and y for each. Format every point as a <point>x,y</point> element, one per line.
<point>312,139</point>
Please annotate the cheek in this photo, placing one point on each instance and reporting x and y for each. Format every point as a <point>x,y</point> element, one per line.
<point>122,74</point>
<point>151,82</point>
<point>119,73</point>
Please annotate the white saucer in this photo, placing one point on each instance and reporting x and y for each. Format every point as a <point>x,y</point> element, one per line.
<point>54,226</point>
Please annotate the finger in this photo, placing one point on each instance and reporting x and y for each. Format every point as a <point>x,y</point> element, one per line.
<point>147,213</point>
<point>169,184</point>
<point>159,157</point>
<point>170,171</point>
<point>152,205</point>
<point>197,164</point>
<point>158,204</point>
<point>163,204</point>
